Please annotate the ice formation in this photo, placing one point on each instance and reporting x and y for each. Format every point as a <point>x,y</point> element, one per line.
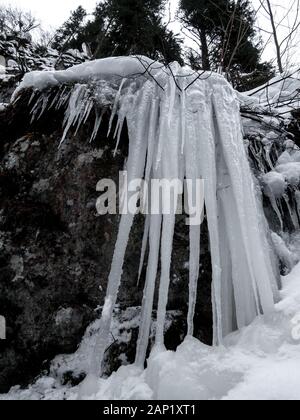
<point>278,168</point>
<point>181,124</point>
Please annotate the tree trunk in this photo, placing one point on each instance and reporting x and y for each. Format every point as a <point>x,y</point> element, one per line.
<point>278,51</point>
<point>204,51</point>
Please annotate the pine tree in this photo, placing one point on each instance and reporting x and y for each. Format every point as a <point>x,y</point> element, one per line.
<point>225,30</point>
<point>129,27</point>
<point>67,36</point>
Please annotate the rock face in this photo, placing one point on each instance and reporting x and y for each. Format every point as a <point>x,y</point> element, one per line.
<point>56,251</point>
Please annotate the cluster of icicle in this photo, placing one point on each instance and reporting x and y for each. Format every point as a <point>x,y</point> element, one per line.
<point>265,156</point>
<point>78,101</point>
<point>185,125</point>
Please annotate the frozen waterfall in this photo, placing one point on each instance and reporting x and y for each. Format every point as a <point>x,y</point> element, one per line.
<point>183,125</point>
<point>194,133</point>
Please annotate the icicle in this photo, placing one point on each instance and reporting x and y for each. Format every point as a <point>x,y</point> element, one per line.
<point>115,107</point>
<point>245,290</point>
<point>166,255</point>
<point>39,107</point>
<point>183,119</point>
<point>293,215</point>
<point>192,173</point>
<point>85,114</point>
<point>255,244</point>
<point>229,317</point>
<point>89,107</point>
<point>149,167</point>
<point>163,125</point>
<point>170,153</point>
<point>74,109</point>
<point>195,232</point>
<point>147,305</point>
<point>64,98</point>
<point>32,97</point>
<point>152,135</point>
<point>268,150</point>
<point>44,107</point>
<point>204,126</point>
<point>137,124</point>
<point>283,252</point>
<point>154,240</point>
<point>97,125</point>
<point>275,207</point>
<point>172,100</point>
<point>58,97</point>
<point>257,158</point>
<point>118,132</point>
<point>144,246</point>
<point>297,198</point>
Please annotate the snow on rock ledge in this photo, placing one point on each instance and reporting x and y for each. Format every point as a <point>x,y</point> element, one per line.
<point>103,69</point>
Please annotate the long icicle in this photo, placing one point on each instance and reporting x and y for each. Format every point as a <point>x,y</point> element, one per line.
<point>205,127</point>
<point>147,305</point>
<point>257,252</point>
<point>170,152</point>
<point>137,124</point>
<point>152,147</point>
<point>193,174</point>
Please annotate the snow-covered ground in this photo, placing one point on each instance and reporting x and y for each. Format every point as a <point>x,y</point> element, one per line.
<point>261,362</point>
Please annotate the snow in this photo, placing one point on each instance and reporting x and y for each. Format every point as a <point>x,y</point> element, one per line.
<point>275,184</point>
<point>280,94</point>
<point>15,53</point>
<point>286,172</point>
<point>291,172</point>
<point>283,178</point>
<point>106,68</point>
<point>283,252</point>
<point>3,106</point>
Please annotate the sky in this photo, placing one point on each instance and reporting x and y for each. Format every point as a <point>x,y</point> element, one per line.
<point>51,14</point>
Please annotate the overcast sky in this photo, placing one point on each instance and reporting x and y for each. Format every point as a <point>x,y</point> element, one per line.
<point>51,13</point>
<point>54,12</point>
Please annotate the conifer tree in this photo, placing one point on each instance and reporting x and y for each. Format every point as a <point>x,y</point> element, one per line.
<point>67,35</point>
<point>225,32</point>
<point>130,27</point>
